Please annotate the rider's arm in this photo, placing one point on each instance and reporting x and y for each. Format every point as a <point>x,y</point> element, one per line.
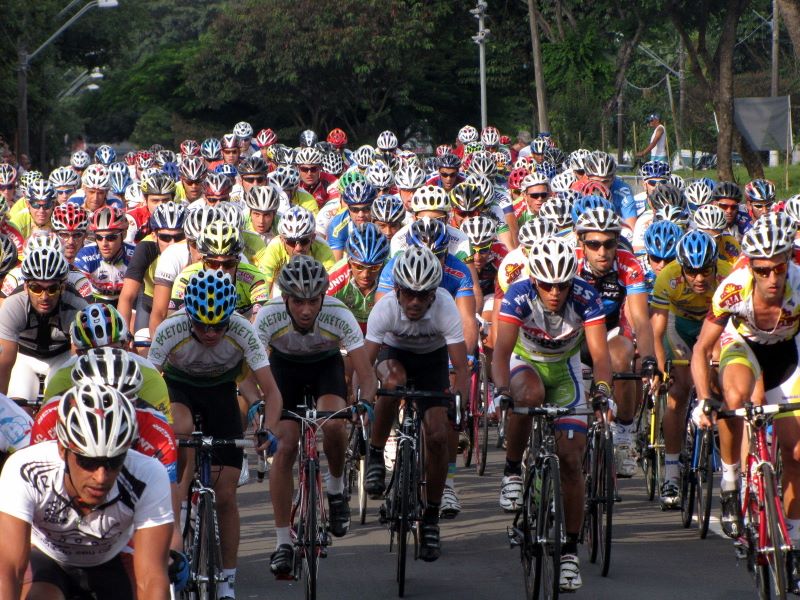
<point>14,553</point>
<point>458,356</point>
<point>273,404</point>
<point>639,313</point>
<point>701,357</point>
<point>127,298</point>
<point>466,308</point>
<point>476,290</point>
<point>150,561</point>
<point>360,359</point>
<point>161,295</point>
<point>658,321</point>
<point>507,333</point>
<point>371,349</point>
<point>597,342</point>
<point>8,356</point>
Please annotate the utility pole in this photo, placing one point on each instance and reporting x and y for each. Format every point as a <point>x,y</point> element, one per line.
<point>541,102</point>
<point>620,126</point>
<point>479,12</point>
<point>773,89</point>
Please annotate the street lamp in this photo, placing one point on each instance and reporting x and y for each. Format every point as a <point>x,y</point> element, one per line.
<point>82,78</point>
<point>24,63</point>
<point>479,12</point>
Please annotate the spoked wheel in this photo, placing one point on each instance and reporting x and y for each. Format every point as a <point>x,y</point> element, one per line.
<point>606,495</point>
<point>311,550</point>
<point>590,492</point>
<point>649,467</point>
<point>403,492</point>
<point>526,524</point>
<point>704,475</point>
<point>363,465</point>
<point>776,558</point>
<point>501,428</point>
<point>688,475</point>
<point>550,529</point>
<point>209,559</point>
<point>482,425</point>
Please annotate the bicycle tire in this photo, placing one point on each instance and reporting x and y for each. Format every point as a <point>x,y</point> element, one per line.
<point>648,450</point>
<point>501,429</point>
<point>607,493</point>
<point>529,515</point>
<point>483,420</point>
<point>590,491</point>
<point>404,494</point>
<point>688,473</point>
<point>705,482</point>
<point>776,560</point>
<point>550,529</point>
<point>363,465</point>
<point>310,556</point>
<point>659,457</point>
<point>209,560</point>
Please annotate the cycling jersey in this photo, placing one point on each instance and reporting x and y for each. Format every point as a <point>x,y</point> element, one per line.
<point>622,199</point>
<point>171,263</point>
<point>14,281</point>
<point>105,276</point>
<point>277,256</point>
<point>251,288</point>
<point>34,491</point>
<point>142,268</point>
<point>15,426</point>
<point>299,198</point>
<point>457,245</point>
<point>6,228</point>
<point>741,224</point>
<point>673,293</point>
<point>456,278</point>
<point>545,336</point>
<point>339,230</point>
<point>155,437</point>
<point>326,214</point>
<point>183,358</point>
<point>487,276</point>
<point>728,248</point>
<point>320,189</point>
<point>79,197</point>
<point>334,327</point>
<point>255,249</point>
<point>438,327</point>
<point>343,287</point>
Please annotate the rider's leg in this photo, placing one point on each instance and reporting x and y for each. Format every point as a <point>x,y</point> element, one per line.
<point>334,442</point>
<point>436,427</point>
<point>391,374</point>
<point>675,419</point>
<point>622,350</point>
<point>739,385</point>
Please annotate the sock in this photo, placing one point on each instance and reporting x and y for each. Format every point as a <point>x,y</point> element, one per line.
<point>513,467</point>
<point>226,586</point>
<point>571,545</point>
<point>335,485</point>
<point>451,476</point>
<point>283,535</point>
<point>671,462</point>
<point>624,426</point>
<point>730,476</point>
<point>376,452</point>
<point>431,514</point>
<point>793,525</point>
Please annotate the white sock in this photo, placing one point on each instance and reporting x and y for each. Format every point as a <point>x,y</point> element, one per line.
<point>283,536</point>
<point>793,525</point>
<point>225,587</point>
<point>335,485</point>
<point>730,476</point>
<point>671,462</point>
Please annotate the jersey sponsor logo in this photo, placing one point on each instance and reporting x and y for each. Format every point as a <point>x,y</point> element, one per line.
<point>513,271</point>
<point>731,294</point>
<point>339,279</point>
<point>675,282</point>
<point>244,276</point>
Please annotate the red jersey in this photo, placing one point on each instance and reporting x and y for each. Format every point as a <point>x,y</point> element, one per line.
<point>320,189</point>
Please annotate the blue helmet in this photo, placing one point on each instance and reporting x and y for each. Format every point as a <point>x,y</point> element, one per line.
<point>211,149</point>
<point>655,169</point>
<point>227,170</point>
<point>120,180</point>
<point>168,215</point>
<point>105,155</point>
<point>359,192</point>
<point>547,169</point>
<point>367,245</point>
<point>661,239</point>
<point>588,203</point>
<point>430,233</point>
<point>696,250</point>
<point>210,297</point>
<point>709,182</point>
<point>171,169</point>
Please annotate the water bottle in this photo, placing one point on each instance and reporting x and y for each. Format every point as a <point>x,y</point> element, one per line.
<point>261,469</point>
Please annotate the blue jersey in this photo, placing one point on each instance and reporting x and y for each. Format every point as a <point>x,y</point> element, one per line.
<point>339,230</point>
<point>456,278</point>
<point>79,198</point>
<point>622,199</point>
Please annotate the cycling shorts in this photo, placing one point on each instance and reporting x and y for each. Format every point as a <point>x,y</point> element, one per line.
<point>563,386</point>
<point>294,379</point>
<point>680,337</point>
<point>776,363</point>
<point>218,408</point>
<point>488,303</point>
<point>586,357</point>
<point>109,581</point>
<point>427,371</point>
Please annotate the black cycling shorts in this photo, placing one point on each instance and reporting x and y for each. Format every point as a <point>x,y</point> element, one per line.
<point>429,371</point>
<point>777,361</point>
<point>108,581</point>
<point>295,379</point>
<point>218,408</point>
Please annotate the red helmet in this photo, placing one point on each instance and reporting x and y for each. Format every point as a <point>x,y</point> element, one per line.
<point>69,217</point>
<point>590,187</point>
<point>516,176</point>
<point>109,218</point>
<point>144,159</point>
<point>266,137</point>
<point>505,140</point>
<point>190,148</point>
<point>337,138</point>
<point>130,158</point>
<point>444,149</point>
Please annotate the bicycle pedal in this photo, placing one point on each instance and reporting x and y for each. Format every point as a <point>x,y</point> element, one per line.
<point>740,549</point>
<point>514,537</point>
<point>383,517</point>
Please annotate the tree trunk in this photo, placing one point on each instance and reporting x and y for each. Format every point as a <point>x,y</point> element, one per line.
<point>790,9</point>
<point>750,158</point>
<point>541,101</point>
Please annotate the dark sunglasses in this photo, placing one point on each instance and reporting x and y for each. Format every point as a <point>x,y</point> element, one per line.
<point>292,242</point>
<point>65,192</point>
<point>726,206</point>
<point>657,259</point>
<point>109,237</point>
<point>255,179</point>
<point>192,181</point>
<point>309,169</point>
<point>37,289</point>
<point>597,244</point>
<point>538,195</point>
<point>417,294</point>
<point>448,175</point>
<point>5,188</point>
<point>216,327</point>
<point>764,272</point>
<point>482,249</point>
<point>547,287</point>
<point>171,237</point>
<point>70,235</point>
<point>43,205</point>
<point>92,463</point>
<point>655,181</point>
<point>220,263</point>
<point>360,209</point>
<point>695,272</point>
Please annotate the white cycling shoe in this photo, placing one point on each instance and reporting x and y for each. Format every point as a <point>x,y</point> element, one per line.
<point>625,457</point>
<point>570,573</point>
<point>450,506</point>
<point>510,492</point>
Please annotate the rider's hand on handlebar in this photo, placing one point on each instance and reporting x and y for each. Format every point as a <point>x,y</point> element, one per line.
<point>266,441</point>
<point>709,412</point>
<point>650,370</point>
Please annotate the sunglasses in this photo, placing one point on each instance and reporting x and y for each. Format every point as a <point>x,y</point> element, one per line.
<point>657,259</point>
<point>538,195</point>
<point>70,235</point>
<point>360,209</point>
<point>65,192</point>
<point>548,287</point>
<point>5,188</point>
<point>597,244</point>
<point>92,463</point>
<point>727,207</point>
<point>292,242</point>
<point>109,237</point>
<point>655,181</point>
<point>695,272</point>
<point>369,268</point>
<point>309,169</point>
<point>482,249</point>
<point>215,328</point>
<point>216,263</point>
<point>448,175</point>
<point>44,205</point>
<point>760,206</point>
<point>259,179</point>
<point>764,272</point>
<point>417,295</point>
<point>171,237</point>
<point>37,289</point>
<point>467,213</point>
<point>191,181</point>
<point>215,199</point>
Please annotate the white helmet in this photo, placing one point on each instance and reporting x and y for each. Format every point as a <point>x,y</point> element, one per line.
<point>467,134</point>
<point>697,193</point>
<point>710,216</point>
<point>677,181</point>
<point>576,159</point>
<point>109,366</point>
<point>484,184</point>
<point>792,208</point>
<point>96,420</point>
<point>308,156</point>
<point>96,177</point>
<point>535,178</point>
<point>600,164</point>
<point>198,218</point>
<point>363,156</point>
<point>772,234</point>
<point>409,177</point>
<point>563,181</point>
<point>557,210</point>
<point>45,264</point>
<point>243,130</point>
<point>80,159</point>
<point>480,230</point>
<point>302,277</point>
<point>387,141</point>
<point>64,177</point>
<point>286,177</point>
<point>490,136</point>
<point>333,163</point>
<point>263,198</point>
<point>297,222</point>
<point>42,239</point>
<point>417,269</point>
<point>379,175</point>
<point>552,260</point>
<point>535,230</point>
<point>430,197</point>
<point>599,219</point>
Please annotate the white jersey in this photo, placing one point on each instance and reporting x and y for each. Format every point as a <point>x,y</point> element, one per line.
<point>458,244</point>
<point>642,223</point>
<point>641,203</point>
<point>441,325</point>
<point>15,426</point>
<point>170,264</point>
<point>34,491</point>
<point>329,210</point>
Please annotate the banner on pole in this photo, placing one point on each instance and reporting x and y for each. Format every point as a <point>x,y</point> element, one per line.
<point>764,122</point>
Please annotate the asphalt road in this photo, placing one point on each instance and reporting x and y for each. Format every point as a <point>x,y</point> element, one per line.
<point>653,557</point>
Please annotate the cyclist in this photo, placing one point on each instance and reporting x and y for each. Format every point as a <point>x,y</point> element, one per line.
<point>601,168</point>
<point>727,195</point>
<point>408,179</point>
<point>304,330</point>
<point>263,202</point>
<point>388,214</point>
<point>192,172</point>
<point>759,197</point>
<point>95,184</point>
<point>312,179</point>
<point>7,229</point>
<point>681,299</point>
<point>335,204</point>
<point>542,322</point>
<point>70,223</point>
<point>488,255</point>
<point>231,153</point>
<point>252,173</point>
<point>103,492</point>
<point>8,184</point>
<point>287,178</point>
<point>535,190</point>
<point>711,220</point>
<point>15,428</point>
<point>156,188</point>
<point>661,196</point>
<point>40,200</point>
<point>618,278</point>
<point>65,181</point>
<point>202,350</point>
<point>754,315</point>
<point>448,175</point>
<point>660,243</point>
<point>652,173</point>
<point>411,332</point>
<point>358,197</point>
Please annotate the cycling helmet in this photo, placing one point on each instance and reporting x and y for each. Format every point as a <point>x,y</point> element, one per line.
<point>557,209</point>
<point>144,159</point>
<point>359,192</point>
<point>8,254</point>
<point>555,156</point>
<point>193,168</point>
<point>443,149</point>
<point>590,187</point>
<point>228,171</point>
<point>42,239</point>
<point>547,169</point>
<point>387,141</point>
<point>792,208</point>
<point>552,260</point>
<point>535,230</point>
<point>771,235</point>
<point>130,157</point>
<point>570,197</point>
<point>307,139</point>
<point>379,175</point>
<point>96,177</point>
<point>211,149</point>
<point>114,367</point>
<point>363,156</point>
<point>168,215</point>
<point>28,177</point>
<point>516,177</point>
<point>490,136</point>
<point>165,156</point>
<point>677,181</point>
<point>252,165</point>
<point>198,218</point>
<point>726,189</point>
<point>417,269</point>
<point>467,134</point>
<point>388,209</point>
<point>666,194</point>
<point>281,155</point>
<point>8,174</point>
<point>60,177</point>
<point>710,216</point>
<point>538,145</point>
<point>120,181</point>
<point>159,183</point>
<point>79,160</point>
<point>431,233</point>
<point>229,141</point>
<point>661,239</point>
<point>484,184</point>
<point>760,190</point>
<point>348,178</point>
<point>264,198</point>
<point>303,277</point>
<point>482,163</point>
<point>156,148</point>
<point>266,137</point>
<point>675,214</point>
<point>96,420</point>
<point>210,297</point>
<point>467,197</point>
<point>69,217</point>
<point>409,177</point>
<point>108,218</point>
<point>41,191</point>
<point>217,184</point>
<point>599,219</point>
<point>600,164</point>
<point>588,203</point>
<point>45,264</point>
<point>243,130</point>
<point>286,177</point>
<point>333,163</point>
<point>190,148</point>
<point>220,239</point>
<point>697,193</point>
<point>696,250</point>
<point>367,245</point>
<point>297,222</point>
<point>654,169</point>
<point>430,197</point>
<point>448,161</point>
<point>105,155</point>
<point>337,138</point>
<point>562,182</point>
<point>480,230</point>
<point>534,179</point>
<point>308,156</point>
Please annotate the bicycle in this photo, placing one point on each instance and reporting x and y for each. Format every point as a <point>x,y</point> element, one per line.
<point>477,417</point>
<point>405,499</point>
<point>356,465</point>
<point>765,542</point>
<point>201,528</point>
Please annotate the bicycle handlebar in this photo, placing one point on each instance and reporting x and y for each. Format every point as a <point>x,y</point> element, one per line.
<point>749,411</point>
<point>412,394</point>
<point>201,441</point>
<point>552,412</point>
<point>314,415</point>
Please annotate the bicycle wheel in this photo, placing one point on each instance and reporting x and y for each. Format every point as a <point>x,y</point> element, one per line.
<point>191,544</point>
<point>704,475</point>
<point>590,494</point>
<point>482,435</point>
<point>363,465</point>
<point>606,496</point>
<point>209,559</point>
<point>648,453</point>
<point>310,556</point>
<point>550,529</point>
<point>501,429</point>
<point>471,418</point>
<point>403,466</point>
<point>527,533</point>
<point>776,557</point>
<point>659,458</point>
<point>688,474</point>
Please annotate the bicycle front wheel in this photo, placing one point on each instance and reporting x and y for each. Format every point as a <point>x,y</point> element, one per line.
<point>310,557</point>
<point>688,462</point>
<point>776,557</point>
<point>482,426</point>
<point>550,531</point>
<point>527,533</point>
<point>209,559</point>
<point>704,475</point>
<point>404,495</point>
<point>363,465</point>
<point>606,496</point>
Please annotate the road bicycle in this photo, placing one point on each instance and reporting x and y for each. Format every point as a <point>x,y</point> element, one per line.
<point>356,465</point>
<point>477,416</point>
